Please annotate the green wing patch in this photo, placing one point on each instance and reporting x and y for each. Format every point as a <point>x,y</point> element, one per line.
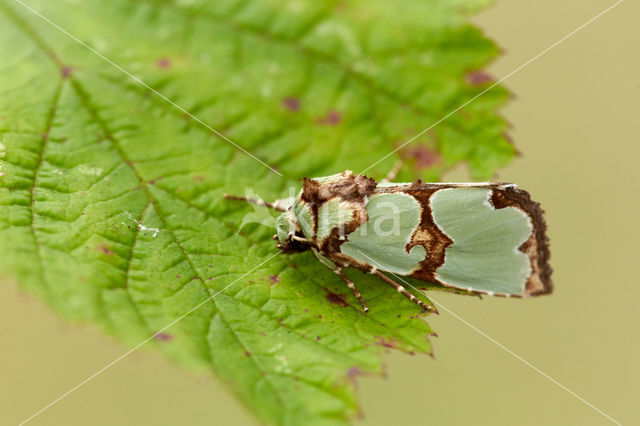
<point>484,255</point>
<point>333,214</point>
<point>382,241</point>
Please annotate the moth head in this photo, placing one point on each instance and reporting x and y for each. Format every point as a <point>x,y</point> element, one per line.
<point>289,235</point>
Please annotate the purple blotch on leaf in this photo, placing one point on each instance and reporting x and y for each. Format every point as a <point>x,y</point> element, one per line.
<point>163,63</point>
<point>66,71</point>
<point>333,118</point>
<point>478,78</point>
<point>424,156</point>
<point>103,247</point>
<point>335,299</point>
<point>387,343</point>
<point>163,337</point>
<point>291,103</point>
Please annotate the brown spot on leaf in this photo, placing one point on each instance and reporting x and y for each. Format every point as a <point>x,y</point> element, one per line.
<point>478,78</point>
<point>291,103</point>
<point>163,63</point>
<point>198,178</point>
<point>509,139</point>
<point>247,353</point>
<point>333,118</point>
<point>335,299</point>
<point>424,156</point>
<point>103,248</point>
<point>274,279</point>
<point>163,337</point>
<point>387,343</point>
<point>66,71</point>
<point>353,371</point>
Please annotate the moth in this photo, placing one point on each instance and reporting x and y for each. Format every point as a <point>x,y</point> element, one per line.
<point>484,238</point>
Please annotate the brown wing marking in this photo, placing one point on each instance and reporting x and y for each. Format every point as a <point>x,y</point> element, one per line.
<point>503,195</point>
<point>537,246</point>
<point>350,188</point>
<point>427,234</point>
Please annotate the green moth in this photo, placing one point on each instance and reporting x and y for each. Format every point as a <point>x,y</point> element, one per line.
<point>484,238</point>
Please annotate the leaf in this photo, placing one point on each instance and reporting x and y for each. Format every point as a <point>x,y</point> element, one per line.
<point>111,205</point>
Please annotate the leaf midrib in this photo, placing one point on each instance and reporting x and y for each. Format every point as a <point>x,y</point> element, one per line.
<point>43,146</point>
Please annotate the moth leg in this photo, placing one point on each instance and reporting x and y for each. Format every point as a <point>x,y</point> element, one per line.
<point>352,287</point>
<point>393,172</point>
<point>259,202</point>
<point>402,290</point>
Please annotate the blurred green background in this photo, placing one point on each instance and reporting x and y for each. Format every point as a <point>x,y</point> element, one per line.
<point>575,118</point>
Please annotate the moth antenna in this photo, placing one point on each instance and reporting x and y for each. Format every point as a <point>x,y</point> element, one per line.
<point>259,202</point>
<point>393,172</point>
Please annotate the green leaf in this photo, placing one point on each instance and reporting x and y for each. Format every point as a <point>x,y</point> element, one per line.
<point>111,205</point>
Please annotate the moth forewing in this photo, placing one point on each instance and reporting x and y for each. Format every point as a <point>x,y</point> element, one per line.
<point>481,237</point>
<point>382,241</point>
